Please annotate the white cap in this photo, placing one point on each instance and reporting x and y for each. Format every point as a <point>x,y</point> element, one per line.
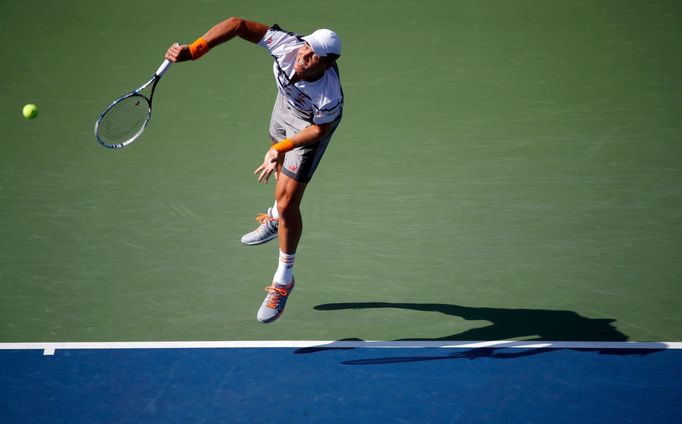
<point>324,42</point>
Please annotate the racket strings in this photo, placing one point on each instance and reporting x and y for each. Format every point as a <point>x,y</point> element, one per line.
<point>124,121</point>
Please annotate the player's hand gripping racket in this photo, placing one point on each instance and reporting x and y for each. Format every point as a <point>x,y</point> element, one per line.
<point>126,118</point>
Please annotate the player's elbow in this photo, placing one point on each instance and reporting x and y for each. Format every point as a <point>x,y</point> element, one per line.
<point>236,23</point>
<point>248,30</point>
<point>321,130</point>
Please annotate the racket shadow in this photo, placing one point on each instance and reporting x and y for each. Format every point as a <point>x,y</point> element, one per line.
<point>493,353</point>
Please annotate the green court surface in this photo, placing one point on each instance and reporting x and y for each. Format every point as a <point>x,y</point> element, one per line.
<point>517,165</point>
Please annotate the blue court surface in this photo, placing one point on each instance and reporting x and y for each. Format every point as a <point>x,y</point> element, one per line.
<point>341,384</point>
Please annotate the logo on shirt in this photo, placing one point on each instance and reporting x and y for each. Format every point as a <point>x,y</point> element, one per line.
<point>293,168</point>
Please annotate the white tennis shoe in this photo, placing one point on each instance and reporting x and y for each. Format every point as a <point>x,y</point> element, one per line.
<point>266,231</point>
<point>274,303</point>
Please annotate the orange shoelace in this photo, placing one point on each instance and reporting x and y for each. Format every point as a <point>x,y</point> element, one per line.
<point>276,293</point>
<point>263,218</point>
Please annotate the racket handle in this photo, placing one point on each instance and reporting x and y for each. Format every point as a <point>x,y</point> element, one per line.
<point>163,68</point>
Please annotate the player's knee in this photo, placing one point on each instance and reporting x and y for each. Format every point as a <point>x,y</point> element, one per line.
<point>287,208</point>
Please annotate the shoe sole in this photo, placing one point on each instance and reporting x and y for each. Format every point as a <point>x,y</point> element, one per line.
<point>256,243</point>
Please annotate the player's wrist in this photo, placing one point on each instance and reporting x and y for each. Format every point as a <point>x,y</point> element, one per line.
<point>283,146</point>
<point>198,48</point>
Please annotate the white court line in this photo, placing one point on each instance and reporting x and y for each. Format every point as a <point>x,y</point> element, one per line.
<point>49,348</point>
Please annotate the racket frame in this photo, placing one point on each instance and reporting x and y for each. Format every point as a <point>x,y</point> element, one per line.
<point>153,80</point>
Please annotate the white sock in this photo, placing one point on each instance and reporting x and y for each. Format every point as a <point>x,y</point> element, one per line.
<point>283,275</point>
<point>275,212</point>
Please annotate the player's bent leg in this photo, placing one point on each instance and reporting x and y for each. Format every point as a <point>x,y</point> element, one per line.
<point>267,230</point>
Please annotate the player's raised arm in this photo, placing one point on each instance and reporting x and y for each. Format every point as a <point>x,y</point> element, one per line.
<point>220,33</point>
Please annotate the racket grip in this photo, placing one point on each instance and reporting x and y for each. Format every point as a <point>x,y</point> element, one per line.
<point>163,68</point>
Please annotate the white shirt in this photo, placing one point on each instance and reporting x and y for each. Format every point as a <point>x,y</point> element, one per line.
<point>321,101</point>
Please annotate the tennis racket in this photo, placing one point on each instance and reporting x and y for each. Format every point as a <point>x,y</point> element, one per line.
<point>123,121</point>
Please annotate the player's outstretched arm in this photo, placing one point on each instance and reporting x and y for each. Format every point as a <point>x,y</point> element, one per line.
<point>220,33</point>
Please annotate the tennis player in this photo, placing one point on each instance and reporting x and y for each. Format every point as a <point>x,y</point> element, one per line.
<point>307,111</point>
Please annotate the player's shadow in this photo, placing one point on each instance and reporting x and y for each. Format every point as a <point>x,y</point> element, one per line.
<point>506,324</point>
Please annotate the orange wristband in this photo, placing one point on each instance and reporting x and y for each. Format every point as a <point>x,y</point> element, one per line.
<point>198,48</point>
<point>283,146</point>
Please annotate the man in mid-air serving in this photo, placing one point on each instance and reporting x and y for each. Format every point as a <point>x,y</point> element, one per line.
<point>308,108</point>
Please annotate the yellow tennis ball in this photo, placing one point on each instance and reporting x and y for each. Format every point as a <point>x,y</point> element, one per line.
<point>30,111</point>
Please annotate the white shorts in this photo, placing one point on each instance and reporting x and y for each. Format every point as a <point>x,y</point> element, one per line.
<point>286,121</point>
